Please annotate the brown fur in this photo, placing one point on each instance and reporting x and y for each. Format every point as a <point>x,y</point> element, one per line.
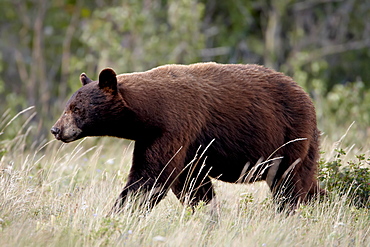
<point>174,112</point>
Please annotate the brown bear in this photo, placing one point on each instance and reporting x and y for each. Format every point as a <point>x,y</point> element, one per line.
<point>191,123</point>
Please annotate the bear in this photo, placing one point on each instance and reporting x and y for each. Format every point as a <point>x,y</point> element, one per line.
<point>238,123</point>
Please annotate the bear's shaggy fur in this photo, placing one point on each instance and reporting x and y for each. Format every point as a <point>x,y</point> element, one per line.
<point>235,123</point>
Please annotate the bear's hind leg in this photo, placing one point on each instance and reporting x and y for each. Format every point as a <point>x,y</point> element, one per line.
<point>286,187</point>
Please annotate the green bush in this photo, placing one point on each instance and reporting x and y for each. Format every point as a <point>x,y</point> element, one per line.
<point>351,179</point>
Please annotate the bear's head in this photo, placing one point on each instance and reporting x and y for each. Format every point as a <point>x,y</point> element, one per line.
<point>91,110</point>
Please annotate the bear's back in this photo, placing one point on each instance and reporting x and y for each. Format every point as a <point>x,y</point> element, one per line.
<point>211,92</point>
<point>210,80</point>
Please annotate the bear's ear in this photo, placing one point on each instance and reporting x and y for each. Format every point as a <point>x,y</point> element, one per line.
<point>108,80</point>
<point>84,79</point>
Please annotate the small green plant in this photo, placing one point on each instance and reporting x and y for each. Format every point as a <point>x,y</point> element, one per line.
<point>351,178</point>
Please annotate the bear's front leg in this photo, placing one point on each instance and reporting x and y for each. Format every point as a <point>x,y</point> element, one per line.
<point>142,193</point>
<point>154,168</point>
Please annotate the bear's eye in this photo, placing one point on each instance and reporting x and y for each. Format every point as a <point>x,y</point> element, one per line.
<point>75,109</point>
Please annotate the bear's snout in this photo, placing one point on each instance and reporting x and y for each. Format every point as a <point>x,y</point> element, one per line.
<point>55,130</point>
<point>66,131</point>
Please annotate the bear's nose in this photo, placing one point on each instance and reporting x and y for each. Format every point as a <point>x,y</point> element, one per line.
<point>55,131</point>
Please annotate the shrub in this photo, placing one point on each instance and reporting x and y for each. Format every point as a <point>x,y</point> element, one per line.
<point>351,179</point>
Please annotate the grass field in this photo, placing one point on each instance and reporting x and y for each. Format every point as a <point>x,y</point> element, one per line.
<point>53,194</point>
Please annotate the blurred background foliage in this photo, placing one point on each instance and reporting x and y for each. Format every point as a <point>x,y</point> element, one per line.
<point>323,44</point>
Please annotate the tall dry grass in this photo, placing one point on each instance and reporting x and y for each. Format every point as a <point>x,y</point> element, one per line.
<point>55,194</point>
